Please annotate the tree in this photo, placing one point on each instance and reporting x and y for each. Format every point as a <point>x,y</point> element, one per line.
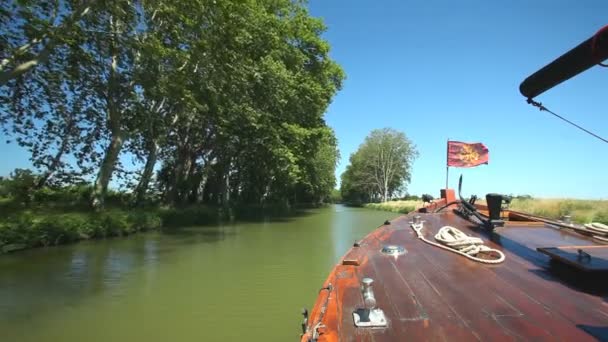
<point>51,110</point>
<point>227,96</point>
<point>380,167</point>
<point>32,30</point>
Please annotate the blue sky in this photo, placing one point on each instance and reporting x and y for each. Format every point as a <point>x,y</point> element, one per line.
<point>451,69</point>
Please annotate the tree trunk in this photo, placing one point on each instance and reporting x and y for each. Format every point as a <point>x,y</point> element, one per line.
<point>181,172</point>
<point>144,181</point>
<point>226,197</point>
<point>106,170</point>
<point>116,133</point>
<point>385,194</point>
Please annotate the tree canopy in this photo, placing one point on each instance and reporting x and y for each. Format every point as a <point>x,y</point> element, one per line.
<point>219,102</point>
<point>379,168</point>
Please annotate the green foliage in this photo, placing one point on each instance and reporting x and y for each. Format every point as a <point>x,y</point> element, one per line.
<point>20,186</point>
<point>34,229</point>
<point>399,206</point>
<point>601,216</point>
<point>379,168</point>
<point>408,198</point>
<point>145,220</point>
<point>58,229</point>
<point>47,228</point>
<point>336,196</point>
<point>581,211</point>
<point>68,196</point>
<point>228,96</point>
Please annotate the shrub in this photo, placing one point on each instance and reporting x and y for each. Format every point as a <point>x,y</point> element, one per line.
<point>409,197</point>
<point>69,196</point>
<point>112,223</point>
<point>336,196</point>
<point>403,207</point>
<point>144,220</point>
<point>59,229</point>
<point>20,185</point>
<point>601,216</point>
<point>118,199</point>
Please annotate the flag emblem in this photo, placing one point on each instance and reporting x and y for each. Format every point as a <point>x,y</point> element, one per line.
<point>462,154</point>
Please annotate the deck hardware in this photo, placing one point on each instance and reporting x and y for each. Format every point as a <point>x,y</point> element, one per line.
<point>387,222</point>
<point>394,250</point>
<point>369,316</point>
<point>496,205</point>
<point>357,244</point>
<point>304,320</point>
<point>317,331</point>
<point>416,219</point>
<point>583,255</point>
<point>329,287</point>
<point>567,219</point>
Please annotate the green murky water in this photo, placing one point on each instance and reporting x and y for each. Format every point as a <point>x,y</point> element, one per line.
<point>218,283</point>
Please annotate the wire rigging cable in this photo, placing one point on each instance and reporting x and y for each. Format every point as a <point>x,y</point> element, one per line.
<point>543,108</point>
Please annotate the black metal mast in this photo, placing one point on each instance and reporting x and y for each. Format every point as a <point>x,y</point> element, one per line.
<point>591,52</point>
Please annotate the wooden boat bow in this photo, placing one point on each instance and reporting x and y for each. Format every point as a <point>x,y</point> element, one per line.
<point>430,294</point>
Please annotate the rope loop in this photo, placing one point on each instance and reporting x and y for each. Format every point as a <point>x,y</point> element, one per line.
<point>456,241</point>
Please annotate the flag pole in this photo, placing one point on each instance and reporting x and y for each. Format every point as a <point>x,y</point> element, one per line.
<point>447,166</point>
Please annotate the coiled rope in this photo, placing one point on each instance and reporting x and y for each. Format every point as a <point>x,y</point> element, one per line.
<point>456,241</point>
<point>597,227</point>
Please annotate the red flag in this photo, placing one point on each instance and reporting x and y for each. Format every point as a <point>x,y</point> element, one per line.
<point>467,154</point>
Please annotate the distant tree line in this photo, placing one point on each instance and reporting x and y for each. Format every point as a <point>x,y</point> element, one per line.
<point>379,169</point>
<point>221,102</point>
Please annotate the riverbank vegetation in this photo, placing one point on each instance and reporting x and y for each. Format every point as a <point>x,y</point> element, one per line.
<point>398,206</point>
<point>580,211</point>
<point>379,169</point>
<point>143,107</point>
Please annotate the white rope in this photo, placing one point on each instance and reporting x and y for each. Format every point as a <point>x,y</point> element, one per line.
<point>597,227</point>
<point>456,241</point>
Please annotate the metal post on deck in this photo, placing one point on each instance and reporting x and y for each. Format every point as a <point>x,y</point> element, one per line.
<point>447,166</point>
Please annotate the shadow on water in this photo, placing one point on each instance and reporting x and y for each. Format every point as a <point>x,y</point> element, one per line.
<point>272,215</point>
<point>232,267</point>
<point>211,232</point>
<point>35,282</point>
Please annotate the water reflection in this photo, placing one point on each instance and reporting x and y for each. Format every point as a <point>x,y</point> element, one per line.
<point>196,283</point>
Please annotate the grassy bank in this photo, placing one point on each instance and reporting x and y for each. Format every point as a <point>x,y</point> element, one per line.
<point>581,211</point>
<point>403,207</point>
<point>50,224</point>
<point>38,228</point>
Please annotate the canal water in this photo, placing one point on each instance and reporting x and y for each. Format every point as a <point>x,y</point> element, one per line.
<point>246,280</point>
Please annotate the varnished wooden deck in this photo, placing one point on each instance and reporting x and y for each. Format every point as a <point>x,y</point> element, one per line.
<point>432,294</point>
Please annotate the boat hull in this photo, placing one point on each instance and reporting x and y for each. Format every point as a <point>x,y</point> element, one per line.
<point>432,294</point>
